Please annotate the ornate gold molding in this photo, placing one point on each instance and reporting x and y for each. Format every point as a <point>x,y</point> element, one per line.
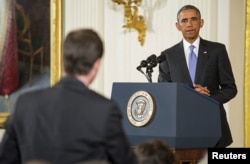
<point>3,117</point>
<point>55,40</point>
<point>133,20</point>
<point>247,77</point>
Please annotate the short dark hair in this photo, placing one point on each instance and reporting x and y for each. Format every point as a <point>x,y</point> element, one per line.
<point>188,7</point>
<point>81,49</point>
<point>154,151</point>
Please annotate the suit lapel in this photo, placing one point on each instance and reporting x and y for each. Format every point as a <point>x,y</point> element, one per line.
<point>202,60</point>
<point>182,62</point>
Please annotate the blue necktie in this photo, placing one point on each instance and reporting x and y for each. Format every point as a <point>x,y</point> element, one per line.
<point>192,62</point>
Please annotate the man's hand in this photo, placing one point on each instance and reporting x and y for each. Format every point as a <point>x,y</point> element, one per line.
<point>201,89</point>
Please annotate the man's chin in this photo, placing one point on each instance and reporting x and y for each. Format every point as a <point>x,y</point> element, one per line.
<point>190,39</point>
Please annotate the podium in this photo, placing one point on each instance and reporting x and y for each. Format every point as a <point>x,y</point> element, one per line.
<point>184,118</point>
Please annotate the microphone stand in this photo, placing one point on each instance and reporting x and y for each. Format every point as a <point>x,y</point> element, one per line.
<point>149,70</point>
<point>150,63</point>
<point>149,74</point>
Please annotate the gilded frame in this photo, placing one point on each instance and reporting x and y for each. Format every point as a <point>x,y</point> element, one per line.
<point>247,77</point>
<point>55,47</point>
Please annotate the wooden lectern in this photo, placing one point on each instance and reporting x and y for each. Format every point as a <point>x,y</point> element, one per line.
<point>188,121</point>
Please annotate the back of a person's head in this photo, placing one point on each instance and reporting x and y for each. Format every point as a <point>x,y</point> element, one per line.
<point>81,49</point>
<point>37,162</point>
<point>154,151</point>
<point>95,162</point>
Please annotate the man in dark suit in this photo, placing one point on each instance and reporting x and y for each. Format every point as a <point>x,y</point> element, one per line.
<point>68,123</point>
<point>213,75</point>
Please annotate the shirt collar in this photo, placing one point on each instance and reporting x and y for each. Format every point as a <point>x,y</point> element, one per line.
<point>186,45</point>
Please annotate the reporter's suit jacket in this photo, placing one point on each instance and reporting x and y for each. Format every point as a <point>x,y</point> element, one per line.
<point>65,124</point>
<point>213,70</point>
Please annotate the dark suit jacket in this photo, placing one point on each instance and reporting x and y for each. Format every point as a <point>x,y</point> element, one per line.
<point>65,124</point>
<point>213,70</point>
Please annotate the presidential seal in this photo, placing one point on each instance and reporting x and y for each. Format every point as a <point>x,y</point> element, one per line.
<point>140,108</point>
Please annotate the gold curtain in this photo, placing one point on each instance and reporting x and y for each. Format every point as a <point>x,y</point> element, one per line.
<point>247,77</point>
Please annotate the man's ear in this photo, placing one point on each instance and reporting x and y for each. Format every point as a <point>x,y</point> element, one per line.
<point>96,65</point>
<point>202,23</point>
<point>178,26</point>
<point>93,72</point>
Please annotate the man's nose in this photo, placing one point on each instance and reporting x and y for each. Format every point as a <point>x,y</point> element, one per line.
<point>190,22</point>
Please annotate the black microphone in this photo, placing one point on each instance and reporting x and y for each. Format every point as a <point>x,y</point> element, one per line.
<point>151,58</point>
<point>144,63</point>
<point>148,62</point>
<point>161,58</point>
<point>155,60</point>
<point>152,61</point>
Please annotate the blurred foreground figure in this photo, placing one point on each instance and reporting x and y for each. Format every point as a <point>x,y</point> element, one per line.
<point>154,151</point>
<point>68,123</point>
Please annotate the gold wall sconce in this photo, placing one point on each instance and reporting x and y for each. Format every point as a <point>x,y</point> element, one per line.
<point>132,19</point>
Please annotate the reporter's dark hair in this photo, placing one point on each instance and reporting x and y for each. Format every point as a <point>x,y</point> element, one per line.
<point>81,49</point>
<point>155,151</point>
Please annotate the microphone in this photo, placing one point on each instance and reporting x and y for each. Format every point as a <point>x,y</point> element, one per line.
<point>161,58</point>
<point>151,58</point>
<point>151,61</point>
<point>144,63</point>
